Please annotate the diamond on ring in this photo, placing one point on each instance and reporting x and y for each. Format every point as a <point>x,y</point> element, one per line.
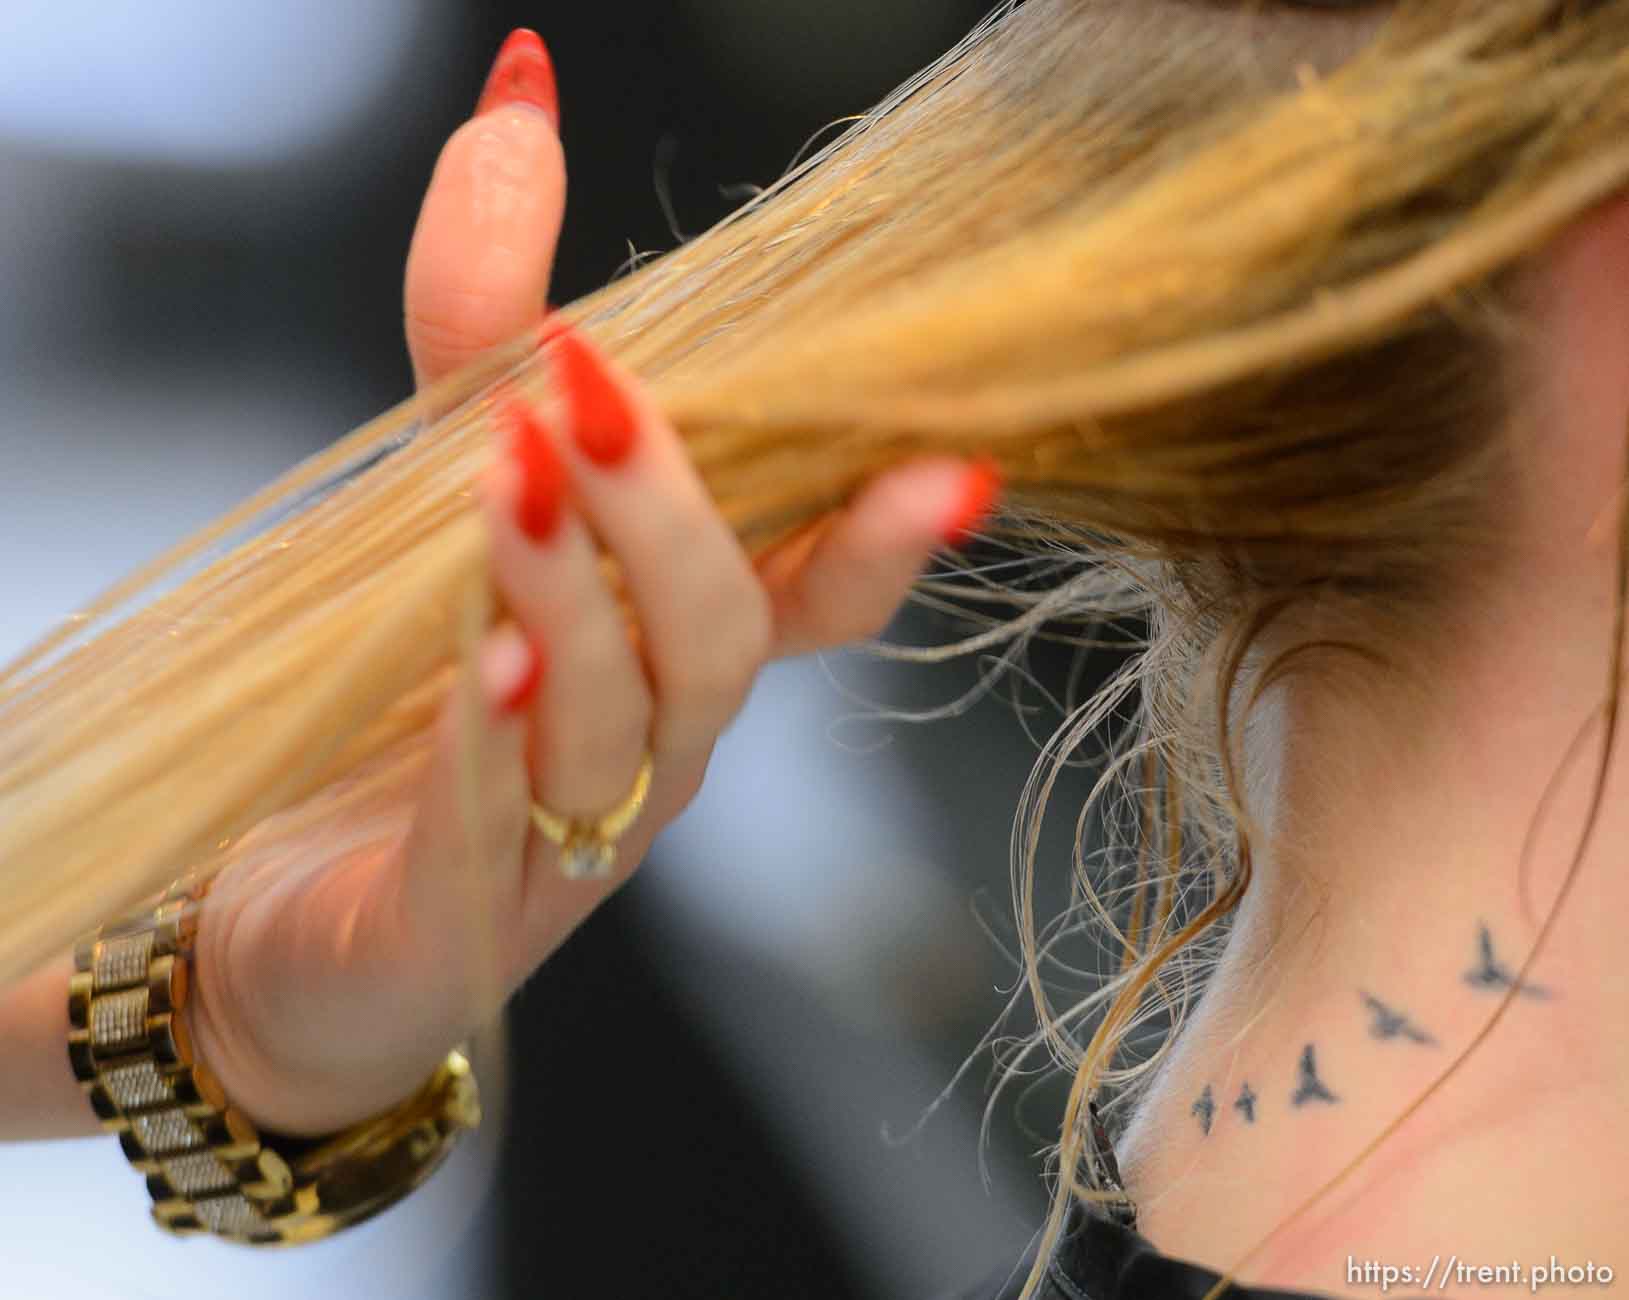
<point>583,859</point>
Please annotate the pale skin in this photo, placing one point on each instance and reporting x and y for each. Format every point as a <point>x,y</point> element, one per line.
<point>330,995</point>
<point>1385,918</point>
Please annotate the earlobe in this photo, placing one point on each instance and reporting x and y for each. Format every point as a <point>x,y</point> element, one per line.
<point>1579,366</point>
<point>1585,273</point>
<point>1582,302</point>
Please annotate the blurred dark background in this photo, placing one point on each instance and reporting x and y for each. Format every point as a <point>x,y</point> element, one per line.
<point>204,212</point>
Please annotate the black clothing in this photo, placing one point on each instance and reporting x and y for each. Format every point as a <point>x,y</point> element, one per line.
<point>1098,1259</point>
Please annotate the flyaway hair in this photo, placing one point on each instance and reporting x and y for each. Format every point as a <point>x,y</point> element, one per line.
<point>1229,291</point>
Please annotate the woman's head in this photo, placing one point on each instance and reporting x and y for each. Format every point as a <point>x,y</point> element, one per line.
<point>1246,298</point>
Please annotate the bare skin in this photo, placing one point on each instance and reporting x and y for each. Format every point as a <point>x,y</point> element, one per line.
<point>1386,921</point>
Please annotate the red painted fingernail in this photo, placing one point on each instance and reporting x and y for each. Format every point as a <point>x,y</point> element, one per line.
<point>980,487</point>
<point>541,500</point>
<point>522,74</point>
<point>520,696</point>
<point>553,326</point>
<point>602,421</point>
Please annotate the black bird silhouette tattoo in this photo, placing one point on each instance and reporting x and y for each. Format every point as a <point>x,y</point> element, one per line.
<point>1491,973</point>
<point>1394,1024</point>
<point>1310,1087</point>
<point>1246,1104</point>
<point>1205,1108</point>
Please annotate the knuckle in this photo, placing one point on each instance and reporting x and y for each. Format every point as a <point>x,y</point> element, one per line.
<point>686,682</point>
<point>866,614</point>
<point>455,322</point>
<point>870,622</point>
<point>686,788</point>
<point>717,667</point>
<point>743,608</point>
<point>757,633</point>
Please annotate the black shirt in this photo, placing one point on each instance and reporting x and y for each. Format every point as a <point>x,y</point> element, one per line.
<point>1097,1259</point>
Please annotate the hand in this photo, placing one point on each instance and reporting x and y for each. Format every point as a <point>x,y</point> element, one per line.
<point>331,994</point>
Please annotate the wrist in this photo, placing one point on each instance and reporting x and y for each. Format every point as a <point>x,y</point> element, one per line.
<point>301,1006</point>
<point>208,1167</point>
<point>295,1099</point>
<point>39,1097</point>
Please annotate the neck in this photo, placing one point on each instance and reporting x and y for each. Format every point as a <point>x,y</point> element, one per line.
<point>1390,915</point>
<point>1393,910</point>
<point>1416,846</point>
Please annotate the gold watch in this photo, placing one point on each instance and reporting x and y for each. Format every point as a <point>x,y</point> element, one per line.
<point>208,1169</point>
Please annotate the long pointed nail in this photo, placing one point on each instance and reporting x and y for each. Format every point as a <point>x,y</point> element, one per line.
<point>541,500</point>
<point>980,488</point>
<point>603,422</point>
<point>522,74</point>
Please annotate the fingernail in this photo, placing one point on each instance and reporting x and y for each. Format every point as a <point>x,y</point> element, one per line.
<point>541,499</point>
<point>981,485</point>
<point>553,326</point>
<point>522,74</point>
<point>602,421</point>
<point>513,668</point>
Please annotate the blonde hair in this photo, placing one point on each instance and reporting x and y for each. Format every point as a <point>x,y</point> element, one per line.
<point>1221,306</point>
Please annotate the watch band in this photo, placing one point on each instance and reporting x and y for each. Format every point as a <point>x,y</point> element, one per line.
<point>208,1169</point>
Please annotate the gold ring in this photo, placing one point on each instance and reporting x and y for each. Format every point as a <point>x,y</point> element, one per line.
<point>588,845</point>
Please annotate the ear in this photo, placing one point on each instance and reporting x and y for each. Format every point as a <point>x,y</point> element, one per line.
<point>1580,376</point>
<point>1583,298</point>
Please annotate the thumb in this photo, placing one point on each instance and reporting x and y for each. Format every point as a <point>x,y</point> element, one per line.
<point>478,270</point>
